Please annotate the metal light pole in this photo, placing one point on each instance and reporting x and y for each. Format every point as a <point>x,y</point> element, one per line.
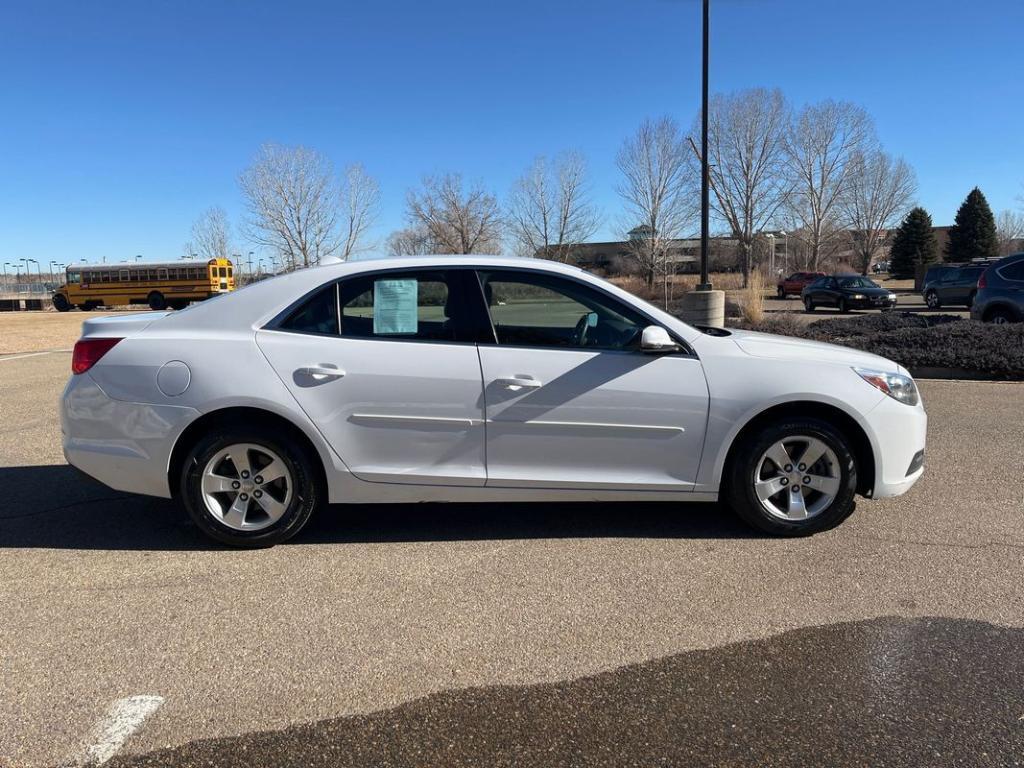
<point>705,175</point>
<point>5,274</point>
<point>771,253</point>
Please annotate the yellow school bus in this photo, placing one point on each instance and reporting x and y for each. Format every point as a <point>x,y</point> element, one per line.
<point>173,284</point>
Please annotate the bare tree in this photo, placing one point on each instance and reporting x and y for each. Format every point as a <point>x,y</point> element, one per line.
<point>746,139</point>
<point>656,176</point>
<point>360,206</point>
<point>1010,231</point>
<point>549,210</point>
<point>457,220</point>
<point>211,234</point>
<point>292,200</point>
<point>412,241</point>
<point>819,146</point>
<point>879,192</point>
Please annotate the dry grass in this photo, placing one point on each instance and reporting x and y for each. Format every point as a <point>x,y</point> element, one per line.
<point>678,285</point>
<point>752,299</point>
<point>41,331</point>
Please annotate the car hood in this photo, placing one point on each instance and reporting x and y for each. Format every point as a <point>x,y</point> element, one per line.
<point>791,348</point>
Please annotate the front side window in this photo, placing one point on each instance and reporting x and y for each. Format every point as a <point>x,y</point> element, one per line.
<point>539,310</point>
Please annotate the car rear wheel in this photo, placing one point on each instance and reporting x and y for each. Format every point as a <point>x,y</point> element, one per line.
<point>842,306</point>
<point>247,487</point>
<point>808,303</point>
<point>931,298</point>
<point>795,477</point>
<point>1000,316</point>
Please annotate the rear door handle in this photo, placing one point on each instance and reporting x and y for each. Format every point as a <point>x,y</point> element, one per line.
<point>322,372</point>
<point>516,383</point>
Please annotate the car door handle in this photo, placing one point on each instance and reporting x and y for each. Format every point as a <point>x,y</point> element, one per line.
<point>517,383</point>
<point>321,372</point>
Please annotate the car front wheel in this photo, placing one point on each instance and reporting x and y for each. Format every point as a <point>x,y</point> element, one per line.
<point>795,477</point>
<point>247,487</point>
<point>932,300</point>
<point>808,303</point>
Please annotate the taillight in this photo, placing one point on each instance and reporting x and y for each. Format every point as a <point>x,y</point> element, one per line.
<point>982,282</point>
<point>88,352</point>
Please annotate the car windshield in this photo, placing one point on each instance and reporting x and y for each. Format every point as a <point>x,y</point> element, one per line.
<point>856,282</point>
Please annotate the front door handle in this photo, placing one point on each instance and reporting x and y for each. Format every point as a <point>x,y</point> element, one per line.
<point>517,383</point>
<point>322,372</point>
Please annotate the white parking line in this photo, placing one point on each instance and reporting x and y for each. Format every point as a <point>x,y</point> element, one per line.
<point>124,718</point>
<point>33,354</point>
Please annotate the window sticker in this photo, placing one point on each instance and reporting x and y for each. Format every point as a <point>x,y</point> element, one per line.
<point>395,304</point>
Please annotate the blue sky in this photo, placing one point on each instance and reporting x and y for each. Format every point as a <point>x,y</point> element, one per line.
<point>121,121</point>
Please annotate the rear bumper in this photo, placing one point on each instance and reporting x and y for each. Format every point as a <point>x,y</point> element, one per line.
<point>126,446</point>
<point>900,434</point>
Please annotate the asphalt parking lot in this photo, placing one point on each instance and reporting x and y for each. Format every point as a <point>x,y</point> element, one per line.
<point>514,635</point>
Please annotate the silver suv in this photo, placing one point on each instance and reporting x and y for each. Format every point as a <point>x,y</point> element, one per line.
<point>1000,297</point>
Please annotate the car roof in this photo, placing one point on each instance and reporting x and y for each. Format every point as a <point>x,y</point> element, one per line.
<point>258,302</point>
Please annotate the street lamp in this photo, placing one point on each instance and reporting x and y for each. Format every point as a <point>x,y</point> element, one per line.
<point>771,254</point>
<point>137,257</point>
<point>705,174</point>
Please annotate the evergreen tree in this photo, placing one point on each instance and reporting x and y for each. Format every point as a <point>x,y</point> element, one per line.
<point>914,243</point>
<point>973,236</point>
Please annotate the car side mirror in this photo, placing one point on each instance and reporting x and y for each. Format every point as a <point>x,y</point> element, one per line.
<point>655,339</point>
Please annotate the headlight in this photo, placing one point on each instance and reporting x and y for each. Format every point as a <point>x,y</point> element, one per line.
<point>892,297</point>
<point>858,297</point>
<point>895,385</point>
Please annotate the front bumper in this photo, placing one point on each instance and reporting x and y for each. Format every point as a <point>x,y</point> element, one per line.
<point>126,446</point>
<point>871,303</point>
<point>899,435</point>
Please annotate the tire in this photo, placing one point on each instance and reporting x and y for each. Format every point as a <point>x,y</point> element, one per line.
<point>808,303</point>
<point>87,307</point>
<point>156,301</point>
<point>836,471</point>
<point>842,305</point>
<point>178,304</point>
<point>932,300</point>
<point>61,303</point>
<point>1000,316</point>
<point>293,496</point>
<point>781,292</point>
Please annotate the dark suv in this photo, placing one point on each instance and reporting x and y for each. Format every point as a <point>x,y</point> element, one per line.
<point>1000,296</point>
<point>951,285</point>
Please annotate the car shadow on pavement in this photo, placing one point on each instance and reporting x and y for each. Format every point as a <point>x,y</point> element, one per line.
<point>57,507</point>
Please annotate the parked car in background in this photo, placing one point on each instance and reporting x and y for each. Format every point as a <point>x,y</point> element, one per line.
<point>951,285</point>
<point>475,379</point>
<point>846,292</point>
<point>795,283</point>
<point>879,267</point>
<point>1000,297</point>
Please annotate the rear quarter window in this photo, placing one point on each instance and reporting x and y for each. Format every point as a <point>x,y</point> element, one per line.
<point>317,315</point>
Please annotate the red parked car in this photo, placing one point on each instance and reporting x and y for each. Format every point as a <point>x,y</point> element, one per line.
<point>794,284</point>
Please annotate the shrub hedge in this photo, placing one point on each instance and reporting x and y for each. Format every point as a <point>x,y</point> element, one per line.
<point>919,341</point>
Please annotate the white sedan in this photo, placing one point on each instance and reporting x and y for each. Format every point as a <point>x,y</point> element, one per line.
<point>470,379</point>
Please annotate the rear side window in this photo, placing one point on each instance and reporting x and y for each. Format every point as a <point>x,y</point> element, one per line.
<point>431,305</point>
<point>318,315</point>
<point>1013,271</point>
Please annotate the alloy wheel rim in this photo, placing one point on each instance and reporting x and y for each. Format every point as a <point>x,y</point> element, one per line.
<point>797,478</point>
<point>246,487</point>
